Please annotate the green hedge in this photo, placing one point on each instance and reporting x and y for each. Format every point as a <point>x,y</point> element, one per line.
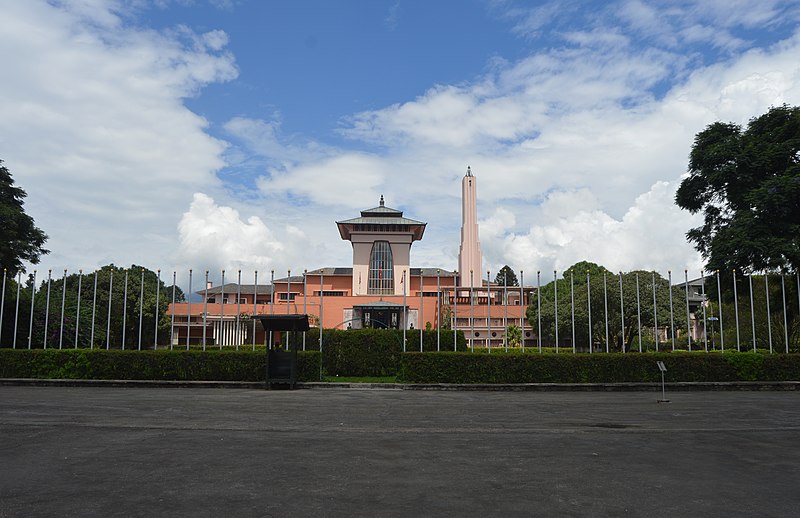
<point>373,352</point>
<point>596,368</point>
<point>146,365</point>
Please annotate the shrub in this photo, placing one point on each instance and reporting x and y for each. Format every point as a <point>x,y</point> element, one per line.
<point>146,365</point>
<point>595,368</point>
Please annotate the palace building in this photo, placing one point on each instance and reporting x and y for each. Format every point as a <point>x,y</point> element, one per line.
<point>379,290</point>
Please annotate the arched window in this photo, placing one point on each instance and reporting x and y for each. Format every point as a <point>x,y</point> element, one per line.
<point>381,269</point>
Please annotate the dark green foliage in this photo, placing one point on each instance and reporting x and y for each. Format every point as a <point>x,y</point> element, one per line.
<point>152,286</point>
<point>574,279</point>
<point>146,365</point>
<point>373,352</point>
<point>20,239</point>
<point>506,277</point>
<point>595,368</point>
<point>747,185</point>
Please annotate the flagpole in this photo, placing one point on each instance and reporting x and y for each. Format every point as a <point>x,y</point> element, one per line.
<point>455,310</point>
<point>719,299</point>
<point>405,312</point>
<point>420,319</point>
<point>63,302</point>
<point>255,307</point>
<point>77,311</point>
<point>110,293</point>
<point>488,312</point>
<point>221,332</point>
<point>305,312</point>
<point>671,312</point>
<point>472,312</point>
<point>158,297</point>
<point>205,312</point>
<point>555,286</point>
<point>438,308</point>
<point>33,294</point>
<point>46,310</point>
<point>141,308</point>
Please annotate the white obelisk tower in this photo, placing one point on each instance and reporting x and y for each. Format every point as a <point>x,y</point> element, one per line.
<point>469,255</point>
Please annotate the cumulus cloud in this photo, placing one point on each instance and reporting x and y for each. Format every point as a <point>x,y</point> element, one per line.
<point>93,126</point>
<point>215,237</point>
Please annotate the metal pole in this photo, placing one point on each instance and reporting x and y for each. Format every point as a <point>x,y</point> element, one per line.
<point>655,311</point>
<point>94,306</point>
<point>539,308</point>
<point>438,309</point>
<point>321,295</point>
<point>785,321</point>
<point>78,310</point>
<point>46,311</point>
<point>671,313</point>
<point>189,311</point>
<point>589,304</point>
<point>752,312</point>
<point>16,309</point>
<point>108,322</point>
<point>688,319</point>
<point>622,313</point>
<point>2,304</point>
<point>63,302</point>
<point>523,314</point>
<point>703,303</point>
<point>572,308</point>
<point>736,311</point>
<point>721,329</point>
<point>221,331</point>
<point>33,294</point>
<point>455,309</point>
<point>125,310</point>
<point>420,319</point>
<point>141,309</point>
<point>769,315</point>
<point>555,296</point>
<point>238,308</point>
<point>158,299</point>
<point>605,307</point>
<point>638,312</point>
<point>405,311</point>
<point>172,317</point>
<point>255,309</point>
<point>488,312</point>
<point>472,313</point>
<point>505,308</point>
<point>288,302</point>
<point>272,306</point>
<point>205,310</point>
<point>305,312</point>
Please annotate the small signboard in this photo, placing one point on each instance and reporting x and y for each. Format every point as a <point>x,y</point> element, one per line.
<point>663,369</point>
<point>661,366</point>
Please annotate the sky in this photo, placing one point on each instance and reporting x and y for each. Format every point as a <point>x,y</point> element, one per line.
<point>211,134</point>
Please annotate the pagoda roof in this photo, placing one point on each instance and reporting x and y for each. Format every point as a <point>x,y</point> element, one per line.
<point>381,216</point>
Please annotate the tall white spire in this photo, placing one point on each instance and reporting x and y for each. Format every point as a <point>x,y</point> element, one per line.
<point>469,254</point>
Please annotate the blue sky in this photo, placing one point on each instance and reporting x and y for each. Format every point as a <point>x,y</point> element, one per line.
<point>233,133</point>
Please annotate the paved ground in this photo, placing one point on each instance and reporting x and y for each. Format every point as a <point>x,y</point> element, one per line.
<point>97,451</point>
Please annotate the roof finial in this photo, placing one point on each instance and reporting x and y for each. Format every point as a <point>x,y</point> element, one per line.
<point>381,200</point>
<point>469,171</point>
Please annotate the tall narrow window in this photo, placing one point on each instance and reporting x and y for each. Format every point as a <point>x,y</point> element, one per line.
<point>381,269</point>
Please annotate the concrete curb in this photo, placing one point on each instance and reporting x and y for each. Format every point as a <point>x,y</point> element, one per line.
<point>509,387</point>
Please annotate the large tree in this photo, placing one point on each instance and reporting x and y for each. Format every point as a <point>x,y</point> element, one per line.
<point>747,185</point>
<point>20,239</point>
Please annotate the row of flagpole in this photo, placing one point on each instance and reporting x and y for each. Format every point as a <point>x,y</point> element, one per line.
<point>238,330</point>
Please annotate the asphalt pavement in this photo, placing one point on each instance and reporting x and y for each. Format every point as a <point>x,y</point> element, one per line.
<point>151,451</point>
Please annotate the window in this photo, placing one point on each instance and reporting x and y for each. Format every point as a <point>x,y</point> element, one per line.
<point>381,269</point>
<point>283,296</point>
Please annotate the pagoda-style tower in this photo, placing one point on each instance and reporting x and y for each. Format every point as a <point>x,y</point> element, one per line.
<point>381,240</point>
<point>469,254</point>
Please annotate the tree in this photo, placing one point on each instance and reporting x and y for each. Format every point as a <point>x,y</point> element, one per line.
<point>506,276</point>
<point>596,293</point>
<point>747,185</point>
<point>20,239</point>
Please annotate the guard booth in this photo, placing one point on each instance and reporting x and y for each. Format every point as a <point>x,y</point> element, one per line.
<point>281,363</point>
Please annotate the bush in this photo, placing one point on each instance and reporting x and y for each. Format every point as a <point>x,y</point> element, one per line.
<point>373,352</point>
<point>595,368</point>
<point>146,365</point>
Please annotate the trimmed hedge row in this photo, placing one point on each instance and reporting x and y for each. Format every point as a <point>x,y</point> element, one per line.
<point>146,365</point>
<point>596,368</point>
<point>373,352</point>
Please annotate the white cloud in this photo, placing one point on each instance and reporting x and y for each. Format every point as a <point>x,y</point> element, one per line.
<point>93,127</point>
